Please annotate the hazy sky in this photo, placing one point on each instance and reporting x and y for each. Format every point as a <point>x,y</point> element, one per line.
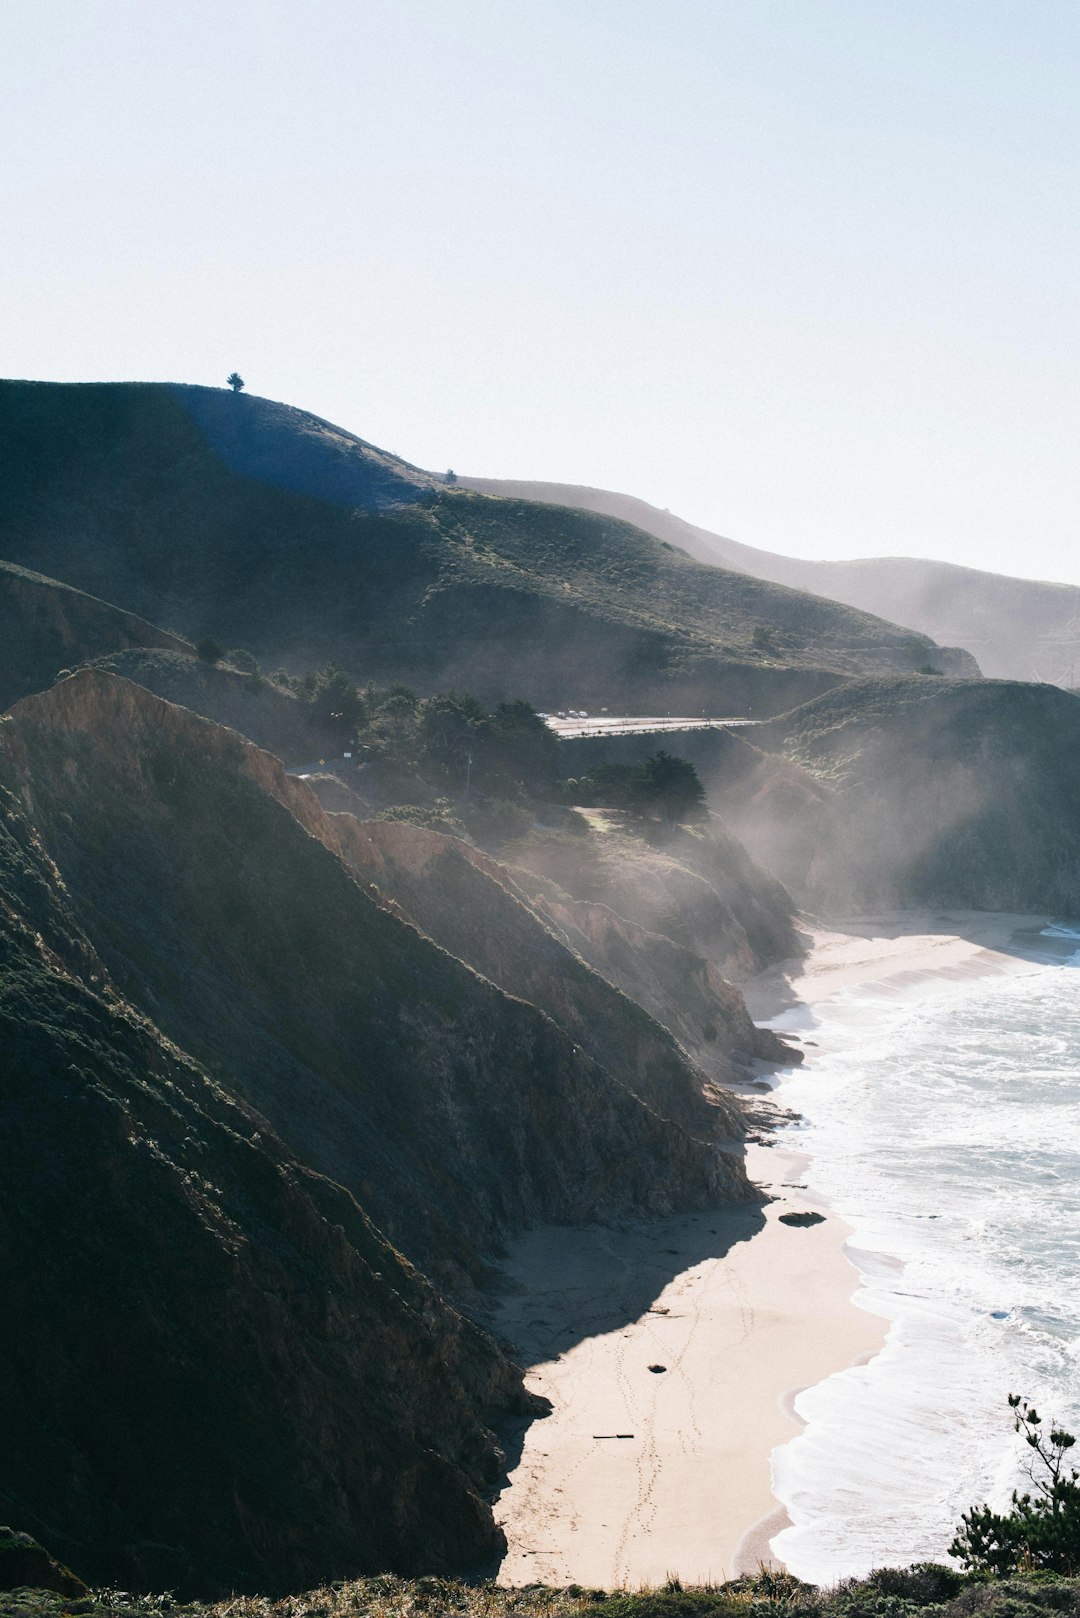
<point>803,271</point>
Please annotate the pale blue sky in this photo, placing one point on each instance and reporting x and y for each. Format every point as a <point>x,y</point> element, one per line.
<point>803,271</point>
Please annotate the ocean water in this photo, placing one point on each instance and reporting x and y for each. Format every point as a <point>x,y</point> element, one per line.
<point>942,1123</point>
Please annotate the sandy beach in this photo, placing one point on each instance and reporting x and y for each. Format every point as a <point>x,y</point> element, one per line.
<point>897,951</point>
<point>671,1354</point>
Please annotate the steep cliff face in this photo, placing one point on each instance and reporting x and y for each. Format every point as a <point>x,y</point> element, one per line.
<point>455,1112</point>
<point>683,991</point>
<point>215,1372</point>
<point>919,790</point>
<point>471,905</point>
<point>46,626</point>
<point>699,888</point>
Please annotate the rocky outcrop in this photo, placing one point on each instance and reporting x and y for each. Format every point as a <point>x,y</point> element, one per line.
<point>265,714</point>
<point>683,991</point>
<point>24,1564</point>
<point>215,1373</point>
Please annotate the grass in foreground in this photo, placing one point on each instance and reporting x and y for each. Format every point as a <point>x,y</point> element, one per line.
<point>926,1589</point>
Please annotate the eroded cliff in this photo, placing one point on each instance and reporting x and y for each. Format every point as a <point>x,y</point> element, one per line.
<point>456,1112</point>
<point>215,1372</point>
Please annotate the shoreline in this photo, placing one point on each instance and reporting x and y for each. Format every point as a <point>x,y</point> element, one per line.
<point>897,950</point>
<point>639,1475</point>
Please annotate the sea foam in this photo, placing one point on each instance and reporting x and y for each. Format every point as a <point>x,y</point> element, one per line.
<point>943,1124</point>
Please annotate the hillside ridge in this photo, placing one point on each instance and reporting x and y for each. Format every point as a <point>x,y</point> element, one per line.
<point>1021,629</point>
<point>223,514</point>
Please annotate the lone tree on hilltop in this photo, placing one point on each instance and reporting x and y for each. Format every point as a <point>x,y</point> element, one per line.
<point>1043,1528</point>
<point>235,381</point>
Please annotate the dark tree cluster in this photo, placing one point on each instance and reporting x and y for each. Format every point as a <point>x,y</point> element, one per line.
<point>450,740</point>
<point>663,785</point>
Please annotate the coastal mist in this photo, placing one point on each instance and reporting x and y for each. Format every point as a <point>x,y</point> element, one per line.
<point>941,1120</point>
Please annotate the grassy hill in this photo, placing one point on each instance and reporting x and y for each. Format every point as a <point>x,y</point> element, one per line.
<point>227,514</point>
<point>1018,629</point>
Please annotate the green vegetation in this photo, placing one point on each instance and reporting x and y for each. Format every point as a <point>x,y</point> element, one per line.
<point>1042,1531</point>
<point>243,661</point>
<point>485,766</point>
<point>439,816</point>
<point>492,770</point>
<point>661,785</point>
<point>925,1589</point>
<point>333,699</point>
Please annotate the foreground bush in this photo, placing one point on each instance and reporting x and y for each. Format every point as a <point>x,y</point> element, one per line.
<point>927,1590</point>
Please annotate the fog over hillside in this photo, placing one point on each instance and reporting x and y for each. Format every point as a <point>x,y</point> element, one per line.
<point>1016,629</point>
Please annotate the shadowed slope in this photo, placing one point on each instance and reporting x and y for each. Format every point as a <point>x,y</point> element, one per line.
<point>296,451</point>
<point>215,1373</point>
<point>471,905</point>
<point>456,1112</point>
<point>46,626</point>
